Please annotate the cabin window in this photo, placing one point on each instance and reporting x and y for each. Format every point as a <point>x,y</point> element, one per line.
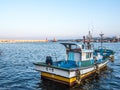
<point>82,46</point>
<point>88,55</point>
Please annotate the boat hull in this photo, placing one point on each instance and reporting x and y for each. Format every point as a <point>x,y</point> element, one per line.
<point>69,77</point>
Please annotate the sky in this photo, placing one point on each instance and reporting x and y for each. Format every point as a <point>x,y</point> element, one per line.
<point>62,19</point>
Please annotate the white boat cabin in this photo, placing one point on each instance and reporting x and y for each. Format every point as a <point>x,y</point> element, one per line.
<point>78,52</point>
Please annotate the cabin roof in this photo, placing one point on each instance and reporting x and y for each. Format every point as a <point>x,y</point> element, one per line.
<point>70,44</point>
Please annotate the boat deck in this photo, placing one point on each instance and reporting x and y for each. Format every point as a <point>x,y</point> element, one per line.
<point>71,65</point>
<point>65,64</point>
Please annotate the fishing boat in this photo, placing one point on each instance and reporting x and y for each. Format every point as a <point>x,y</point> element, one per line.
<point>82,61</point>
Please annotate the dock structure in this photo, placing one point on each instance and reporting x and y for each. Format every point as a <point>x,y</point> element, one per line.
<point>14,41</point>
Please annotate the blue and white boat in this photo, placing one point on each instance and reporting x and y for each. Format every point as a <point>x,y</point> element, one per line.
<point>82,61</point>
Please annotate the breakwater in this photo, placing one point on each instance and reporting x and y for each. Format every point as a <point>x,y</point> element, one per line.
<point>5,40</point>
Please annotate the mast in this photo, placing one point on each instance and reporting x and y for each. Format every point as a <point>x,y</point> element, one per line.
<point>89,37</point>
<point>101,36</point>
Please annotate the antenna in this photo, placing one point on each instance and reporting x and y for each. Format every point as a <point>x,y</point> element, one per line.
<point>92,28</point>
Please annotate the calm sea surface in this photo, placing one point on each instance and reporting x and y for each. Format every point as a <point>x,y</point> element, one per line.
<point>17,69</point>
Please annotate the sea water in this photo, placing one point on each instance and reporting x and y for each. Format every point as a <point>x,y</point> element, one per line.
<point>17,71</point>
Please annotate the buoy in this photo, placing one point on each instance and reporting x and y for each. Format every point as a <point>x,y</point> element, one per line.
<point>111,57</point>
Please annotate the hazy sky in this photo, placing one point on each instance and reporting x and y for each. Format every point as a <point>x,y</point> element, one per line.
<point>38,19</point>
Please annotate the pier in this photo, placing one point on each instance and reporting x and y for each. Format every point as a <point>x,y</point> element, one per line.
<point>14,41</point>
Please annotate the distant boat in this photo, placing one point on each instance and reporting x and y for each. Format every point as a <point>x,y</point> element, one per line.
<point>54,40</point>
<point>81,62</point>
